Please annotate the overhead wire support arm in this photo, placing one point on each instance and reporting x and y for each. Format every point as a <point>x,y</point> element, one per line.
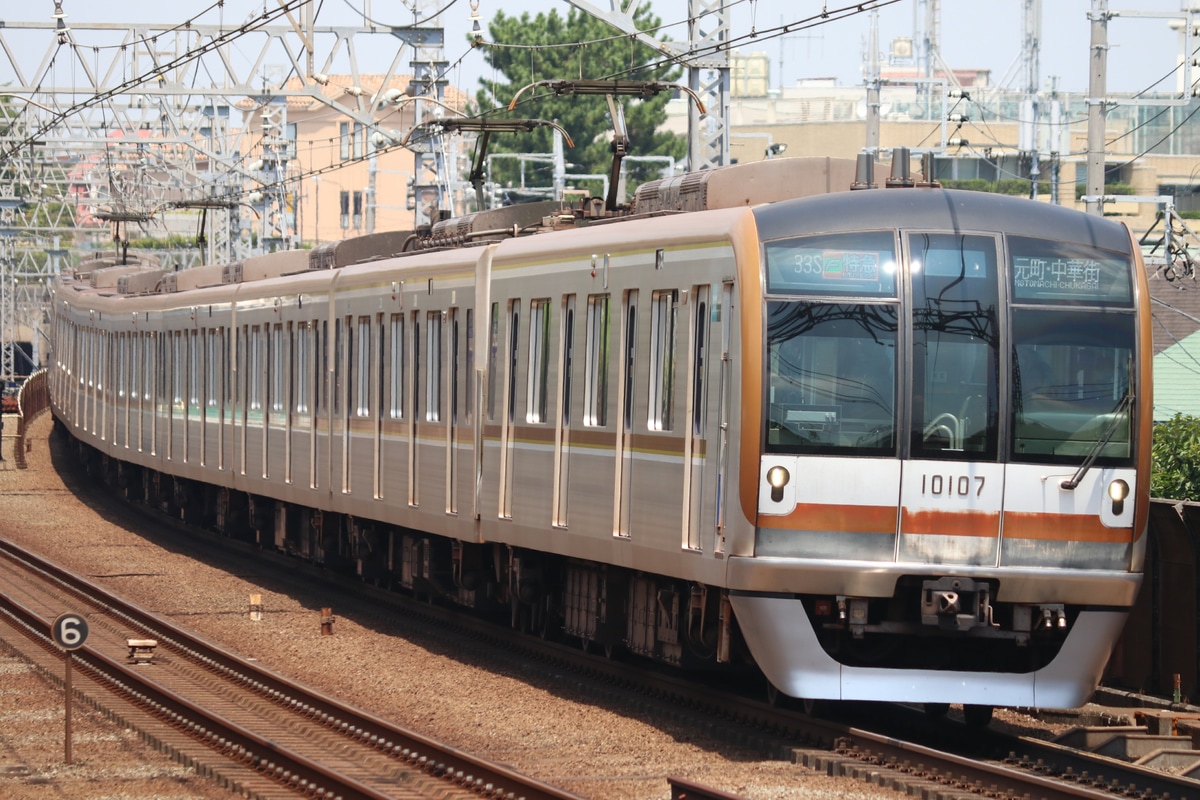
<point>611,89</point>
<point>485,127</point>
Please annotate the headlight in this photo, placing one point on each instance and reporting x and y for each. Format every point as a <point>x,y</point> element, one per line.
<point>778,478</point>
<point>1118,490</point>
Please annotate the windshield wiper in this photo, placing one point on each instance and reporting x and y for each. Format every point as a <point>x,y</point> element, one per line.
<point>1105,438</point>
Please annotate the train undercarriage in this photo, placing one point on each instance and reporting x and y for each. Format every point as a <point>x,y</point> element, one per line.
<point>606,608</point>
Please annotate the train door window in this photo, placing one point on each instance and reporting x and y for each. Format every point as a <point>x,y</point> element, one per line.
<point>362,389</point>
<point>539,360</point>
<point>254,379</point>
<point>301,370</point>
<point>148,365</point>
<point>595,379</point>
<point>320,351</point>
<point>699,358</point>
<point>416,356</point>
<point>433,380</point>
<point>469,400</point>
<point>341,329</point>
<point>278,368</point>
<point>135,372</point>
<point>955,346</point>
<point>630,356</point>
<point>177,368</point>
<point>452,376</point>
<point>513,338</point>
<point>380,366</point>
<point>213,368</point>
<point>662,359</point>
<point>568,356</point>
<point>194,353</point>
<point>493,350</point>
<point>396,382</point>
<point>122,343</point>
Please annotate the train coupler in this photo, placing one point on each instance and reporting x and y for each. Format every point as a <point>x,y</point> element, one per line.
<point>956,603</point>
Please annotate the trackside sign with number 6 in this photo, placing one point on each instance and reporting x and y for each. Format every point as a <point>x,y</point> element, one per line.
<point>69,631</point>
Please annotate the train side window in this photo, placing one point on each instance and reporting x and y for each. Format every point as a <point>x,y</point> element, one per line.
<point>539,360</point>
<point>320,350</point>
<point>363,373</point>
<point>195,358</point>
<point>595,380</point>
<point>663,309</point>
<point>396,383</point>
<point>433,381</point>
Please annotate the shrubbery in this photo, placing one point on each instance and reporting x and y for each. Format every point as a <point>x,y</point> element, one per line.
<point>1176,470</point>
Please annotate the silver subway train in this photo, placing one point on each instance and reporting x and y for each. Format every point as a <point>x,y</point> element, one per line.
<point>887,445</point>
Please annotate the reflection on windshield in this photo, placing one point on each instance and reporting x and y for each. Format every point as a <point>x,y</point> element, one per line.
<point>1070,378</point>
<point>831,378</point>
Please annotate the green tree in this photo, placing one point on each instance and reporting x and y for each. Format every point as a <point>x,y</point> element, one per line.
<point>529,49</point>
<point>1176,454</point>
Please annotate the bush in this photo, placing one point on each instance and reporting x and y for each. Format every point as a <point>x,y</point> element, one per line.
<point>1175,473</point>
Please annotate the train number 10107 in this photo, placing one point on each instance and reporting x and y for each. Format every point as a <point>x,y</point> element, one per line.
<point>954,485</point>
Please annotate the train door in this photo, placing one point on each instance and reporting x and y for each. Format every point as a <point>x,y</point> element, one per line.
<point>287,404</point>
<point>952,483</point>
<point>508,413</point>
<point>451,390</point>
<point>562,431</point>
<point>724,387</point>
<point>378,376</point>
<point>626,381</point>
<point>434,387</point>
<point>414,386</point>
<point>695,453</point>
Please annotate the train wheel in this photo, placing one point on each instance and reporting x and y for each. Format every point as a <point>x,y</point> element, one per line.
<point>977,716</point>
<point>936,710</point>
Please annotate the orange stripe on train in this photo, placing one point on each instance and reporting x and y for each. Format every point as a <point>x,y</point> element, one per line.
<point>825,517</point>
<point>1062,527</point>
<point>984,524</point>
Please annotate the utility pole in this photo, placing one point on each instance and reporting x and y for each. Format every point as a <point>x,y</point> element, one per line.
<point>1030,104</point>
<point>1097,106</point>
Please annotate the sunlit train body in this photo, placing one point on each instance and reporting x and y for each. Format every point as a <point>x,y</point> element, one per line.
<point>889,444</point>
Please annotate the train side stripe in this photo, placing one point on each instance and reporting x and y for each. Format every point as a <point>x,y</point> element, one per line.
<point>1062,527</point>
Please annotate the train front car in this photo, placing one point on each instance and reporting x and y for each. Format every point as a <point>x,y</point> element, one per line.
<point>952,422</point>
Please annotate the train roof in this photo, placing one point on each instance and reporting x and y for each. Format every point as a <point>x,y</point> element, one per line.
<point>938,209</point>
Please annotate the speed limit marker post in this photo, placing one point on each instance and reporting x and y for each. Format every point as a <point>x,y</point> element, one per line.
<point>69,632</point>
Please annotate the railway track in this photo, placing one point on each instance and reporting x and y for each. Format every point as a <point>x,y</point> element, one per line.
<point>993,765</point>
<point>250,729</point>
